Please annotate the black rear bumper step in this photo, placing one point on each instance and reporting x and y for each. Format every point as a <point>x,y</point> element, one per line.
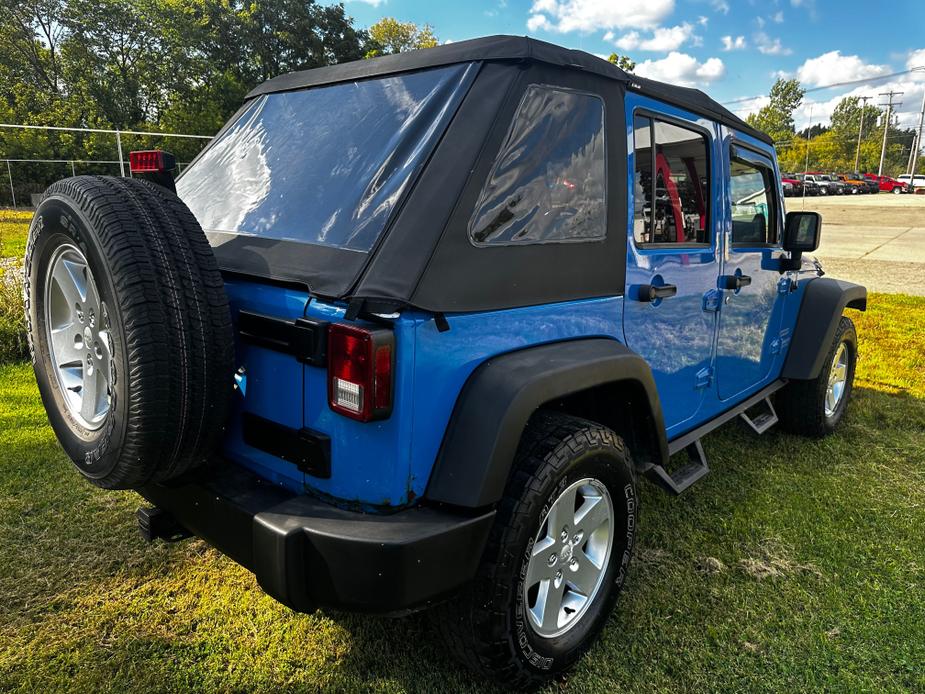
<point>307,553</point>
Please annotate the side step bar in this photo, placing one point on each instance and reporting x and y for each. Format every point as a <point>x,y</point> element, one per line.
<point>762,420</point>
<point>697,466</point>
<point>684,477</point>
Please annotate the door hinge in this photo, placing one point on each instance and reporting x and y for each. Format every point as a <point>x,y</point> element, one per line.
<point>704,378</point>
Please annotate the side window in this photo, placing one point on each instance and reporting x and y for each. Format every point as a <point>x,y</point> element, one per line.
<point>671,206</point>
<point>548,182</point>
<point>753,218</point>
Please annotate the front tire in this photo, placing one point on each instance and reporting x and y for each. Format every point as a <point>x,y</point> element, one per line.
<point>556,558</point>
<point>815,407</point>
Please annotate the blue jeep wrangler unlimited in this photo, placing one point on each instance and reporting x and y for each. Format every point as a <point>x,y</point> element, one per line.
<point>411,329</point>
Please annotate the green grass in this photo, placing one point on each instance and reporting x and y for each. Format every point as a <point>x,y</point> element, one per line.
<point>14,228</point>
<point>794,565</point>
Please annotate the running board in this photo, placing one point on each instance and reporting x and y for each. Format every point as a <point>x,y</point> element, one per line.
<point>697,468</point>
<point>763,420</point>
<point>684,477</point>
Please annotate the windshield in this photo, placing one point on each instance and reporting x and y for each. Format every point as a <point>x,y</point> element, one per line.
<point>324,165</point>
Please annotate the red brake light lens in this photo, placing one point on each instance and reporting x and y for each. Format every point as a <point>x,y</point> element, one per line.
<point>150,161</point>
<point>360,371</point>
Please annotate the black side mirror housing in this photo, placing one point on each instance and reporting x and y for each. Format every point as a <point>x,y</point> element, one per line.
<point>802,231</point>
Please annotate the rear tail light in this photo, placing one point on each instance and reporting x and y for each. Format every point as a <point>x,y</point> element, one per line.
<point>360,371</point>
<point>151,161</point>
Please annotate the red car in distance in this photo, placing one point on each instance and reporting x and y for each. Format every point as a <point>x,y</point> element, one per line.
<point>888,184</point>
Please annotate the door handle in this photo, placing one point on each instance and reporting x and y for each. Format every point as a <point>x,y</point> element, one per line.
<point>734,282</point>
<point>651,292</point>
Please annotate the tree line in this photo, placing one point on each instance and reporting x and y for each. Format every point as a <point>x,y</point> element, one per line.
<point>181,66</point>
<point>833,148</point>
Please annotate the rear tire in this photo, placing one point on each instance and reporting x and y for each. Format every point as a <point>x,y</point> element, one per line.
<point>155,333</point>
<point>816,407</point>
<point>520,634</point>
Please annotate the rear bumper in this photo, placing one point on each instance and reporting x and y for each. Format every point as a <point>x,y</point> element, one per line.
<point>307,553</point>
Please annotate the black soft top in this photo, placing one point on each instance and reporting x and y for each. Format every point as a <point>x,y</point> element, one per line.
<point>508,48</point>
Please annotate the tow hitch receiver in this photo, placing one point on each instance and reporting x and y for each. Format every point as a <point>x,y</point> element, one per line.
<point>156,524</point>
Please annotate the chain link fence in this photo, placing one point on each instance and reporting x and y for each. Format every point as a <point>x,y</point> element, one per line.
<point>28,176</point>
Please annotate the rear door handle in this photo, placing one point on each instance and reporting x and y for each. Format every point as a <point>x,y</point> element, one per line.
<point>734,282</point>
<point>651,292</point>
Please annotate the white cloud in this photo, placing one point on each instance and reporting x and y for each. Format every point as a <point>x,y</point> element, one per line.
<point>590,15</point>
<point>703,21</point>
<point>916,59</point>
<point>760,22</point>
<point>609,36</point>
<point>720,6</point>
<point>778,18</point>
<point>538,22</point>
<point>682,69</point>
<point>769,46</point>
<point>733,44</point>
<point>374,3</point>
<point>832,67</point>
<point>663,39</point>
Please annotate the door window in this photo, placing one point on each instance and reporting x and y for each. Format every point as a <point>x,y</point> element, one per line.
<point>753,219</point>
<point>671,185</point>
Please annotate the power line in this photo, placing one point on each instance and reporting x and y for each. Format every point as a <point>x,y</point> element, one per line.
<point>849,83</point>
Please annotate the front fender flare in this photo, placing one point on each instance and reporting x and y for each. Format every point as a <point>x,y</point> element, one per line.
<point>824,300</point>
<point>493,408</point>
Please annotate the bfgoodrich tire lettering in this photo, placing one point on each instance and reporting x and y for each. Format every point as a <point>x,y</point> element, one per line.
<point>487,626</point>
<point>168,323</point>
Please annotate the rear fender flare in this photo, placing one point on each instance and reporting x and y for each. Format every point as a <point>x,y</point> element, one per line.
<point>497,400</point>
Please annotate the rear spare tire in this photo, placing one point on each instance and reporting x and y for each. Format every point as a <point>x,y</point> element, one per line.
<point>129,329</point>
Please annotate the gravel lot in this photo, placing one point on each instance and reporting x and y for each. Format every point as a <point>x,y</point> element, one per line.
<point>877,241</point>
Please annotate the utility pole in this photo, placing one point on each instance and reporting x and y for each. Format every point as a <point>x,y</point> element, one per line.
<point>918,143</point>
<point>857,155</point>
<point>886,123</point>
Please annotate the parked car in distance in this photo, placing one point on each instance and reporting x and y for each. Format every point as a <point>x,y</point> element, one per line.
<point>825,183</point>
<point>854,186</point>
<point>791,185</point>
<point>889,184</point>
<point>917,182</point>
<point>872,185</point>
<point>810,187</point>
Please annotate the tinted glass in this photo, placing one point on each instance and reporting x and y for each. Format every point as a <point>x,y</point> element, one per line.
<point>324,165</point>
<point>750,191</point>
<point>671,205</point>
<point>547,183</point>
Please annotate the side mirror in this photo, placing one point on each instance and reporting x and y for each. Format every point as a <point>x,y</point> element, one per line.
<point>801,235</point>
<point>802,231</point>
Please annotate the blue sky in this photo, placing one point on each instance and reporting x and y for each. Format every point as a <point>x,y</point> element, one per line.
<point>729,49</point>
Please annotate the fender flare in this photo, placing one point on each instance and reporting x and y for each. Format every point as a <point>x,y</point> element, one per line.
<point>501,394</point>
<point>824,300</point>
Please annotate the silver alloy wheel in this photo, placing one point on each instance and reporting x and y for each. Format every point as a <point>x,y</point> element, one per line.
<point>77,328</point>
<point>569,558</point>
<point>838,378</point>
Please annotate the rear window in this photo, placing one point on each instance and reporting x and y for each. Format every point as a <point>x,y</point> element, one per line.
<point>547,183</point>
<point>325,165</point>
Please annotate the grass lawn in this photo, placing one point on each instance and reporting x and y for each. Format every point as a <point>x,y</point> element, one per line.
<point>14,227</point>
<point>794,565</point>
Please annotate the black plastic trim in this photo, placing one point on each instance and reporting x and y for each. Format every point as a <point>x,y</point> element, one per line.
<point>304,338</point>
<point>308,450</point>
<point>824,300</point>
<point>307,553</point>
<point>499,397</point>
